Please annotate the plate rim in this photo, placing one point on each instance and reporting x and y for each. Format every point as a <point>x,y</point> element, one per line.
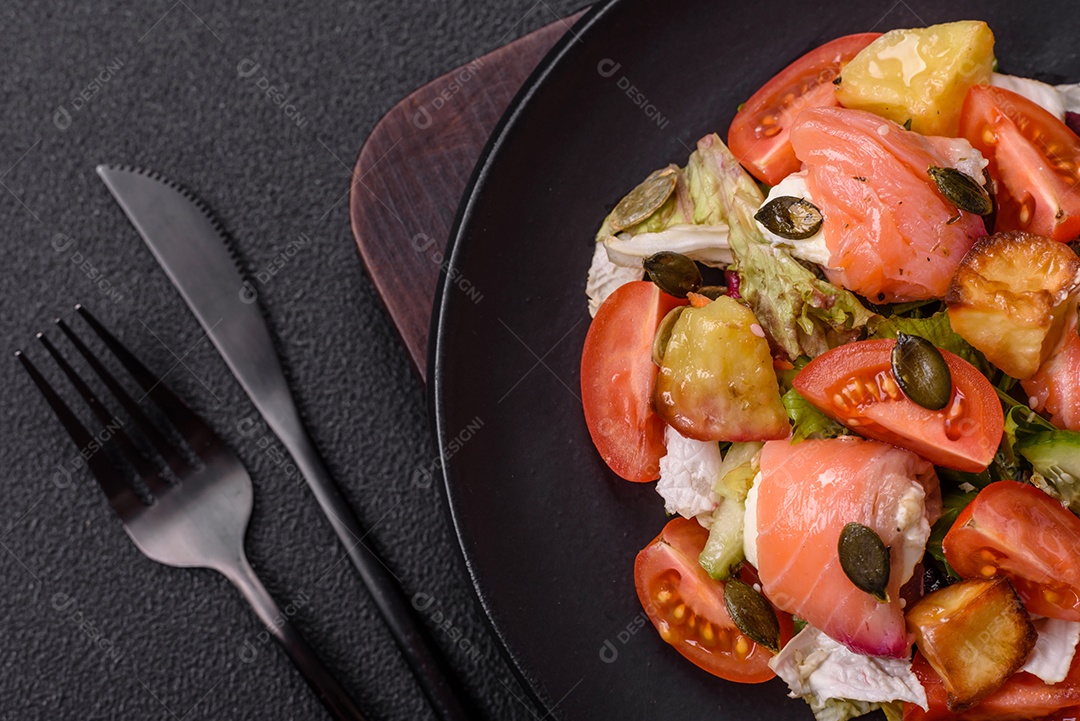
<point>517,107</point>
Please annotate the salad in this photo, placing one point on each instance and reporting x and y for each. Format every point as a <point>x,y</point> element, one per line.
<point>845,343</point>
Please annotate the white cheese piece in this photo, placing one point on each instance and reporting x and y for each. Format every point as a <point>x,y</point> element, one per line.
<point>707,244</point>
<point>1052,656</point>
<point>814,665</point>
<point>688,474</point>
<point>813,248</point>
<point>1045,96</point>
<point>605,277</point>
<point>961,155</point>
<point>914,528</point>
<point>750,523</point>
<point>1070,96</point>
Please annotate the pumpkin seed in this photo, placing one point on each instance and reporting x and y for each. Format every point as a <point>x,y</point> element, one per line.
<point>921,372</point>
<point>962,190</point>
<point>645,199</point>
<point>865,560</point>
<point>752,614</point>
<point>673,273</point>
<point>712,292</point>
<point>790,217</point>
<point>663,333</point>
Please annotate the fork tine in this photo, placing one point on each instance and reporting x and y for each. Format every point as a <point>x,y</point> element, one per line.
<point>165,449</point>
<point>147,470</point>
<point>121,496</point>
<point>198,435</point>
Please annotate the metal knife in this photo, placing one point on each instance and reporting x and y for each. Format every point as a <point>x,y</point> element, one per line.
<point>193,250</point>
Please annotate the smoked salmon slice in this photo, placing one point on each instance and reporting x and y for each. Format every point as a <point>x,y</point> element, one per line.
<point>892,236</point>
<point>805,496</point>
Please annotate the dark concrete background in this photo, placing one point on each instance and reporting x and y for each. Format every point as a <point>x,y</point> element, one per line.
<point>92,629</point>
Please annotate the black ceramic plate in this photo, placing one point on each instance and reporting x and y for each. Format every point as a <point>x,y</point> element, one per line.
<point>549,535</point>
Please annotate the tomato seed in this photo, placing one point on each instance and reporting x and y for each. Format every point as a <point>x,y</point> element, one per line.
<point>742,646</point>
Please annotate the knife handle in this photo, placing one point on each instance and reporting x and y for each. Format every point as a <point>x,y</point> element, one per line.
<point>445,695</point>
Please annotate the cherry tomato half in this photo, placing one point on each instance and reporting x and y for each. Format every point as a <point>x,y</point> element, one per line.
<point>1034,157</point>
<point>854,385</point>
<point>1016,530</point>
<point>687,606</point>
<point>758,135</point>
<point>618,377</point>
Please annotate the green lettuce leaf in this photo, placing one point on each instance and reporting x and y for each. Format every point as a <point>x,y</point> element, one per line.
<point>807,421</point>
<point>800,313</point>
<point>1021,423</point>
<point>937,329</point>
<point>952,504</point>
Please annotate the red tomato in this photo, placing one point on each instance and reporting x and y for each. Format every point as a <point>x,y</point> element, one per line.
<point>1055,387</point>
<point>854,385</point>
<point>1023,698</point>
<point>687,606</point>
<point>758,135</point>
<point>1033,155</point>
<point>1016,530</point>
<point>618,377</point>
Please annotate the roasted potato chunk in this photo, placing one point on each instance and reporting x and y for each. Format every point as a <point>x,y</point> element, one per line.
<point>920,75</point>
<point>1009,296</point>
<point>975,634</point>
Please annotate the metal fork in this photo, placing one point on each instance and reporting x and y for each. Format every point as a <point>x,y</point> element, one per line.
<point>199,522</point>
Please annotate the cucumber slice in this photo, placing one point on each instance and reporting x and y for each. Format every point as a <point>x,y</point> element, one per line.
<point>1055,456</point>
<point>724,548</point>
<point>737,472</point>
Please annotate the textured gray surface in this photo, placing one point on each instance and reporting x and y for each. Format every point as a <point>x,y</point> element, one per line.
<point>90,628</point>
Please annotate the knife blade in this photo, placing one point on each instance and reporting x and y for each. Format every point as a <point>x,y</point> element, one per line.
<point>192,248</point>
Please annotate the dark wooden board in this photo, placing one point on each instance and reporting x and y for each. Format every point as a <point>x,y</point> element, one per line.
<point>412,171</point>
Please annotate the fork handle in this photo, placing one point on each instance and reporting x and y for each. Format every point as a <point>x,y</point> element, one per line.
<point>332,694</point>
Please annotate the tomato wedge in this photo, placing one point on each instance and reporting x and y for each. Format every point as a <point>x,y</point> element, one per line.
<point>1034,157</point>
<point>1024,697</point>
<point>758,135</point>
<point>618,377</point>
<point>854,385</point>
<point>1055,387</point>
<point>1016,530</point>
<point>687,606</point>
